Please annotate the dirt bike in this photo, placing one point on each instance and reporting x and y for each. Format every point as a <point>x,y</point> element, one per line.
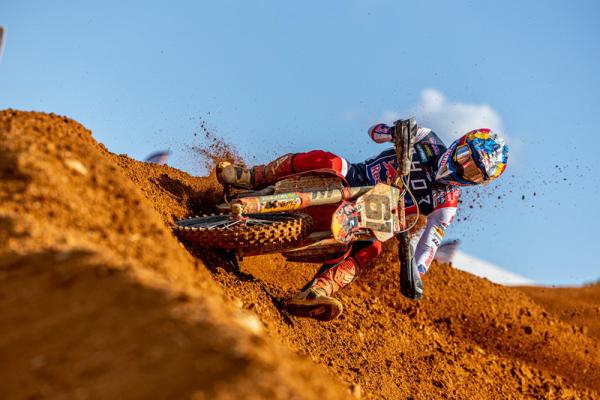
<point>311,216</point>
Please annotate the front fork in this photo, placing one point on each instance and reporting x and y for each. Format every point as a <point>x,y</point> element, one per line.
<point>405,131</point>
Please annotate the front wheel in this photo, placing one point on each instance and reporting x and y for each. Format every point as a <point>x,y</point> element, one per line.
<point>258,232</point>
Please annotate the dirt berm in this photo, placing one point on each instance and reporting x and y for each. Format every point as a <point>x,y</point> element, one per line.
<point>98,300</point>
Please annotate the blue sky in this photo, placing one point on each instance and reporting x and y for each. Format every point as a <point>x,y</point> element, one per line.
<point>274,77</point>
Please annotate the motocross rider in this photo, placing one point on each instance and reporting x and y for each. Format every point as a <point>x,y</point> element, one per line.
<point>436,175</point>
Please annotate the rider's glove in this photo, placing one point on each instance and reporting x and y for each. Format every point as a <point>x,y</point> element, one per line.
<point>381,133</point>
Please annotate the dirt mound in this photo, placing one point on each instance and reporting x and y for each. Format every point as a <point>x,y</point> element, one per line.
<point>99,300</point>
<point>577,307</point>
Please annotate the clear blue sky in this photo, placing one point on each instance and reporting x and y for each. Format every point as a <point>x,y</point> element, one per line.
<point>274,77</point>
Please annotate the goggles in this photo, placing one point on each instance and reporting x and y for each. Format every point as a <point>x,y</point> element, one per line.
<point>464,161</point>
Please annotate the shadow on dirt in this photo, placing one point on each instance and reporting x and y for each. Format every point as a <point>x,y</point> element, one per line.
<point>227,261</point>
<point>119,338</point>
<point>197,202</point>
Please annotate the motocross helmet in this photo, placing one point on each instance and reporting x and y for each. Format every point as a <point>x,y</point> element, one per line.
<point>478,157</point>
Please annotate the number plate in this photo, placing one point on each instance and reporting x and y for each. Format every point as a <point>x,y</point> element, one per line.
<point>378,211</point>
<point>375,211</point>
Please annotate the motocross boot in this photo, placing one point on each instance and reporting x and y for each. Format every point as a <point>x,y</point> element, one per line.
<point>315,299</point>
<point>314,303</point>
<point>256,177</point>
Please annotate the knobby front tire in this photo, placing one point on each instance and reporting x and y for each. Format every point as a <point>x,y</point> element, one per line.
<point>259,231</point>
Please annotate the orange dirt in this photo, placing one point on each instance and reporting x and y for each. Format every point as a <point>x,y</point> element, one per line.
<point>578,307</point>
<point>99,300</point>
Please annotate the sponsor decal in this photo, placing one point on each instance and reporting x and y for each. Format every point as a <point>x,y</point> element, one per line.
<point>439,230</point>
<point>377,169</point>
<point>453,196</point>
<point>439,197</point>
<point>282,202</point>
<point>344,273</point>
<point>321,194</point>
<point>390,169</point>
<point>428,149</point>
<point>447,197</point>
<point>430,254</point>
<point>375,173</point>
<point>421,153</point>
<point>444,168</point>
<point>438,235</point>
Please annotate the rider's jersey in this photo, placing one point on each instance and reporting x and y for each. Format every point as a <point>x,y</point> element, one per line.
<point>436,201</point>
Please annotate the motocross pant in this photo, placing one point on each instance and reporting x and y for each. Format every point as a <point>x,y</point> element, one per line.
<point>293,163</point>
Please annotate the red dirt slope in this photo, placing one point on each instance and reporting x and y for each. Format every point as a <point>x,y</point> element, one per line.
<point>100,300</point>
<point>578,307</point>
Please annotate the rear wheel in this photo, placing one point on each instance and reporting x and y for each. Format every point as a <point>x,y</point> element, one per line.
<point>259,232</point>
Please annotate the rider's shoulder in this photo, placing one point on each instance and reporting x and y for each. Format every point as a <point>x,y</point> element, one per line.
<point>422,133</point>
<point>428,135</point>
